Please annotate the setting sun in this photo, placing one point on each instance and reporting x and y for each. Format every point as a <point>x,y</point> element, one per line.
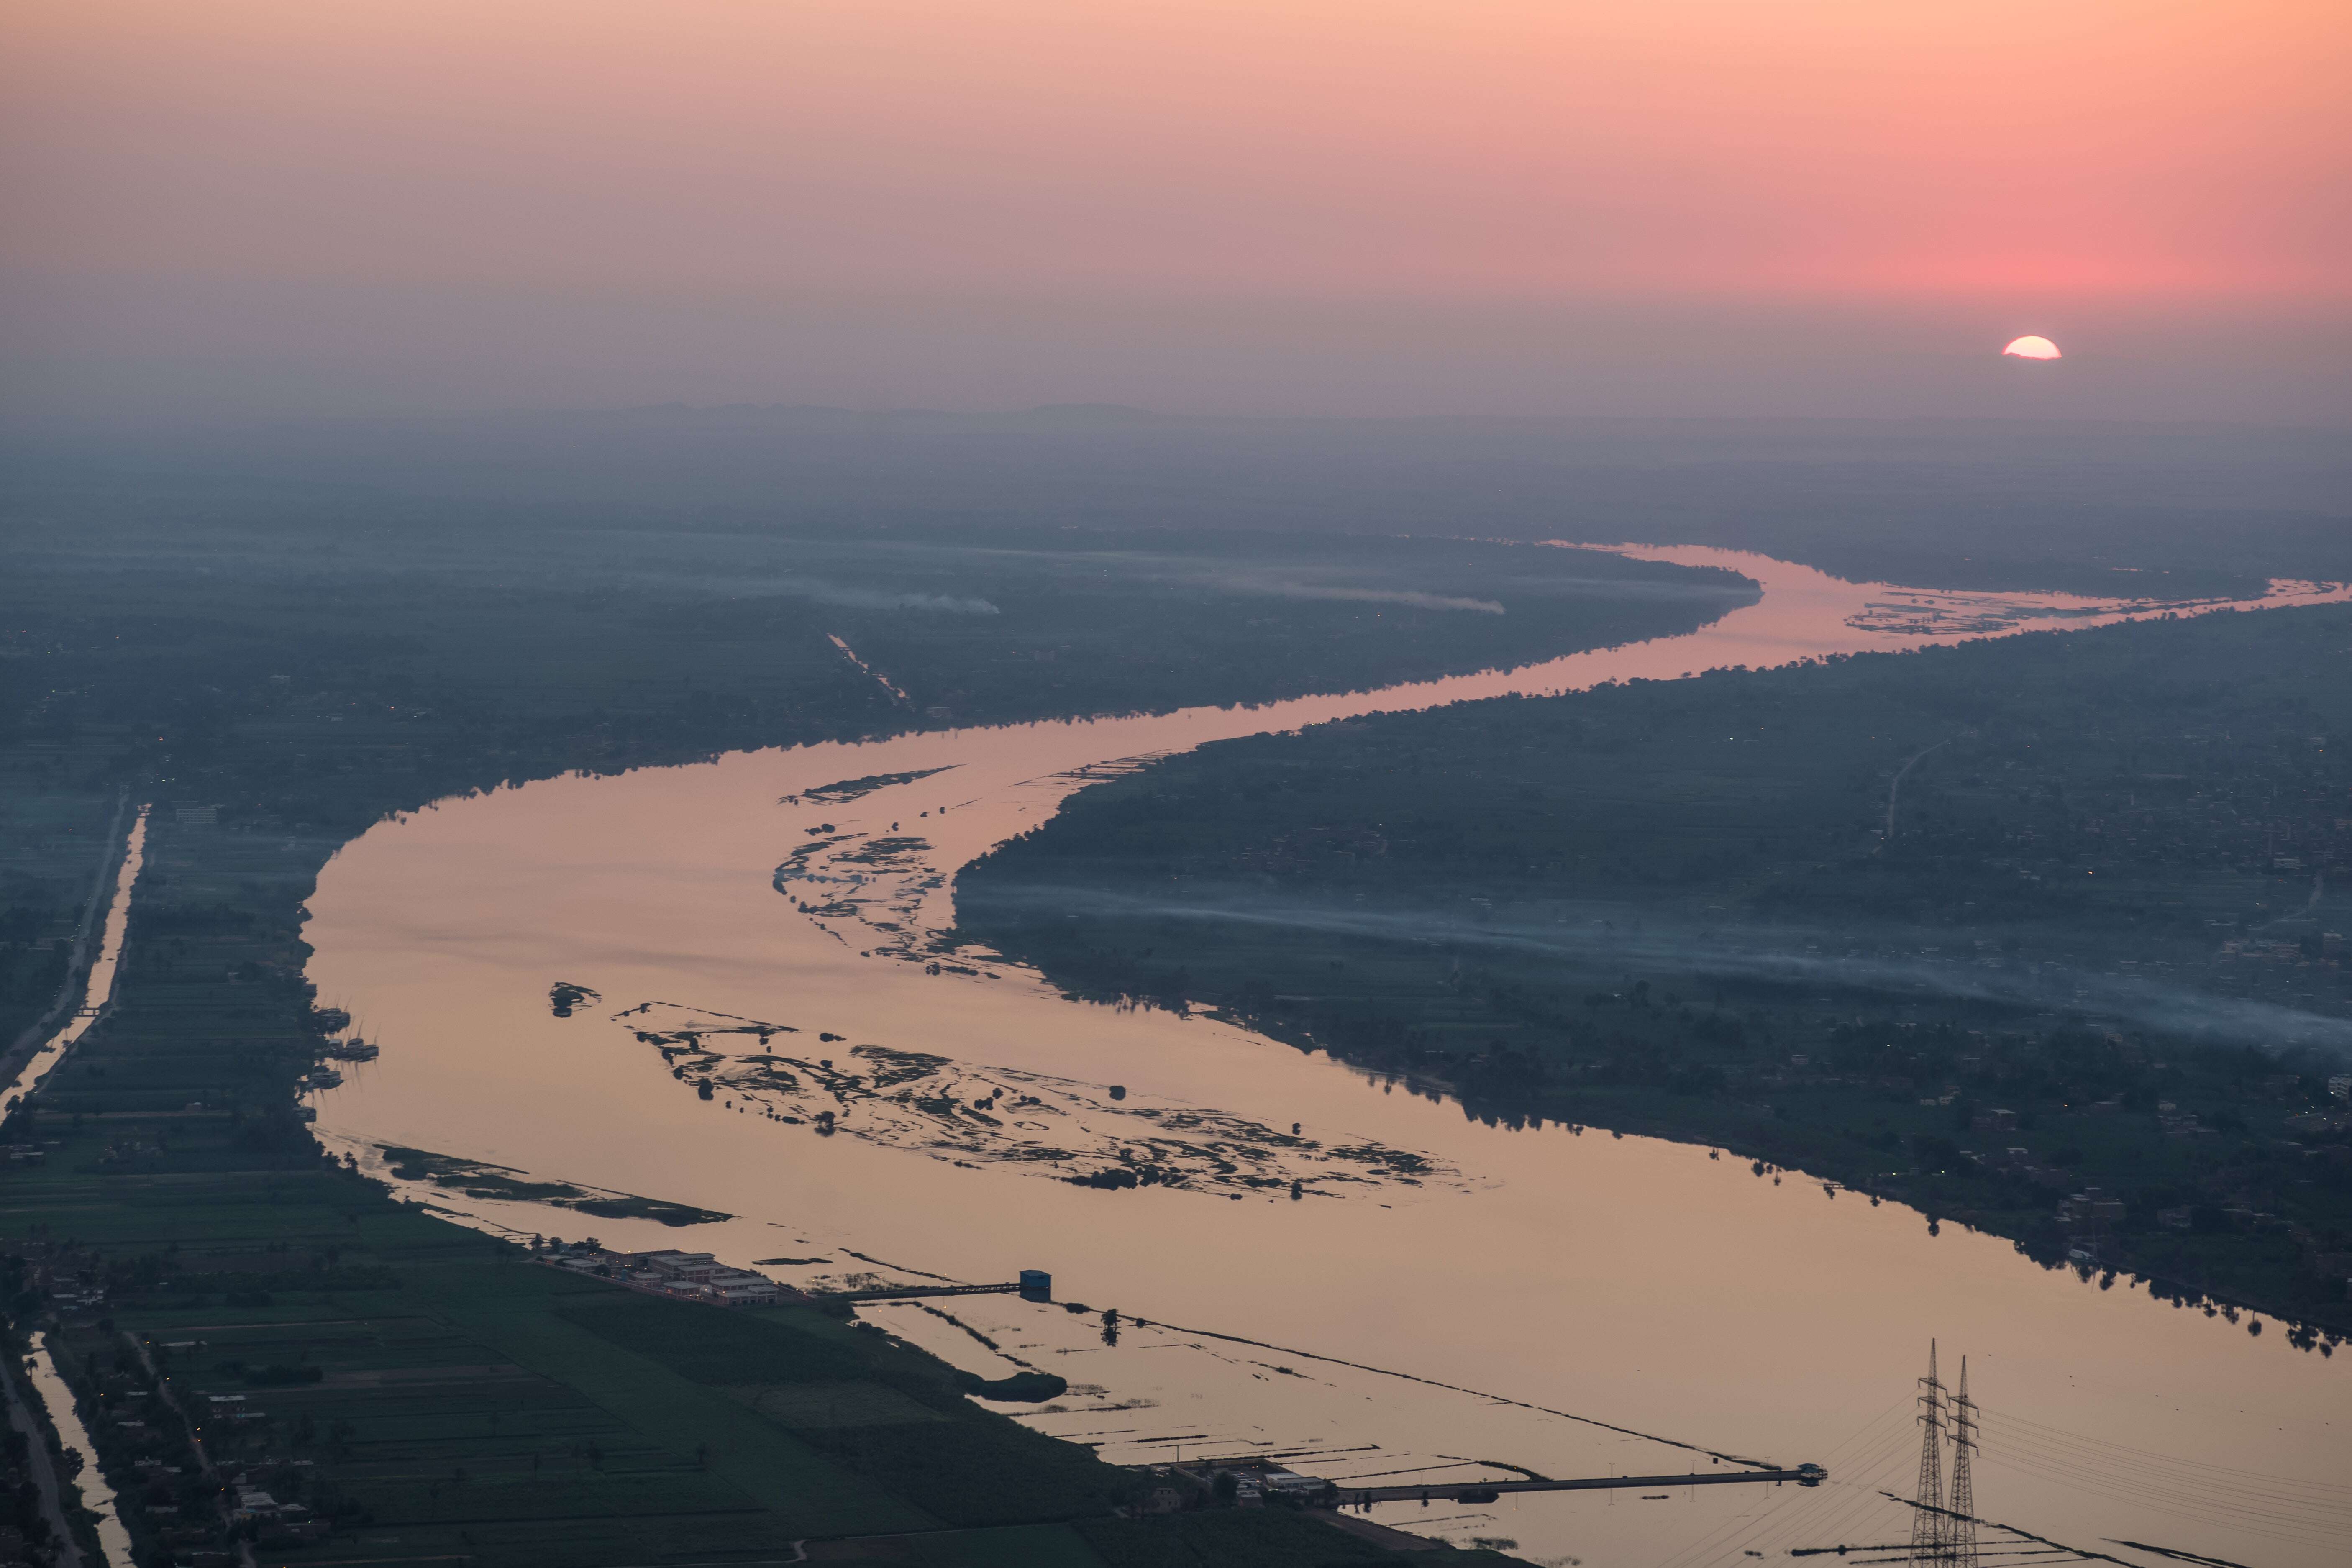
<point>2031,347</point>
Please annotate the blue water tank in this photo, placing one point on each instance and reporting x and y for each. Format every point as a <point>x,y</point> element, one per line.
<point>1036,1285</point>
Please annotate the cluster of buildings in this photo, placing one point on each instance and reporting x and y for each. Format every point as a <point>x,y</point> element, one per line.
<point>2018,1161</point>
<point>1254,1482</point>
<point>273,1522</point>
<point>2091,1205</point>
<point>694,1276</point>
<point>69,1277</point>
<point>2333,1267</point>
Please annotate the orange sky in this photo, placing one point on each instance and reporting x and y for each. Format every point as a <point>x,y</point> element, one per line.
<point>2021,150</point>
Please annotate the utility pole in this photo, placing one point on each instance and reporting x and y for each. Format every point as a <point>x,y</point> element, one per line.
<point>1930,1532</point>
<point>1961,1527</point>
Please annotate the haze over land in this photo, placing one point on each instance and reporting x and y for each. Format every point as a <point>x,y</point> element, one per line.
<point>2146,510</point>
<point>1399,699</point>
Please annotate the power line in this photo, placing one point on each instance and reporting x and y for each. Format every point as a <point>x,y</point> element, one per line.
<point>2181,1495</point>
<point>2028,1535</point>
<point>1960,1538</point>
<point>1929,1533</point>
<point>1944,1528</point>
<point>2198,1558</point>
<point>2172,1473</point>
<point>1862,1452</point>
<point>2316,1533</point>
<point>2149,1454</point>
<point>1834,1515</point>
<point>2233,1500</point>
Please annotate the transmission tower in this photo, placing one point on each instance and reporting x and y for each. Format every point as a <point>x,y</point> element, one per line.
<point>1929,1533</point>
<point>1961,1528</point>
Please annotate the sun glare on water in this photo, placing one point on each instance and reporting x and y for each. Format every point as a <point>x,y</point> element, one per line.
<point>2031,347</point>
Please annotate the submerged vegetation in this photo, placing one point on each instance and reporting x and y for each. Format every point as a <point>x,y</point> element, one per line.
<point>970,1114</point>
<point>478,1179</point>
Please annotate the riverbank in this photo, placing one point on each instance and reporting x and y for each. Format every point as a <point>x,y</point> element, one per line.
<point>47,1515</point>
<point>2090,995</point>
<point>95,1511</point>
<point>39,927</point>
<point>464,925</point>
<point>83,1003</point>
<point>378,1370</point>
<point>373,1368</point>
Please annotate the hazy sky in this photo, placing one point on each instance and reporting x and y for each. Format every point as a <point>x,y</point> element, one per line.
<point>1244,205</point>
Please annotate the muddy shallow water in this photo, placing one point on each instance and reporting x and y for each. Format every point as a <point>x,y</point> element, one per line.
<point>1441,1291</point>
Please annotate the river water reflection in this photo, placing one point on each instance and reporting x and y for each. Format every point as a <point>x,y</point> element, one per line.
<point>89,1490</point>
<point>98,983</point>
<point>1558,1280</point>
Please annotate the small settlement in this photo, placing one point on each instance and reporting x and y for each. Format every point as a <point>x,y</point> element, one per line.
<point>693,1276</point>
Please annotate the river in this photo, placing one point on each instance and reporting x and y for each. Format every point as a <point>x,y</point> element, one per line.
<point>93,1493</point>
<point>97,986</point>
<point>1554,1281</point>
<point>97,991</point>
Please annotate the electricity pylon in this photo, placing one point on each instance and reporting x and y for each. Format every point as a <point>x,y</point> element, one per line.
<point>1929,1531</point>
<point>1961,1527</point>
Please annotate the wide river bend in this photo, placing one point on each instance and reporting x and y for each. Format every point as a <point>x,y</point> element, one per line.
<point>1552,1280</point>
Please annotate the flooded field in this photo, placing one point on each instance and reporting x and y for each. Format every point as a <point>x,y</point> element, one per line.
<point>719,988</point>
